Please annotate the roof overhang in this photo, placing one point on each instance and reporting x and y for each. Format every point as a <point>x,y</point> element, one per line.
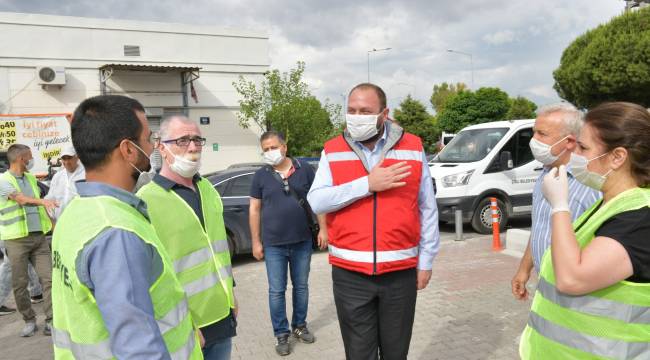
<point>189,73</point>
<point>150,68</point>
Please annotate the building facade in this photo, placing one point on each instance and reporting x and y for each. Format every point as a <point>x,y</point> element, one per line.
<point>49,64</point>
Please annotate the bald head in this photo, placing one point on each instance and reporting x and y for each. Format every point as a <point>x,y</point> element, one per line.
<point>171,124</point>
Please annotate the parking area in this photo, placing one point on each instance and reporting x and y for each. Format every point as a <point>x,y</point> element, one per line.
<point>467,312</point>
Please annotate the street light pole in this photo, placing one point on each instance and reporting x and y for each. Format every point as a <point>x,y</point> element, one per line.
<point>373,50</point>
<point>471,61</point>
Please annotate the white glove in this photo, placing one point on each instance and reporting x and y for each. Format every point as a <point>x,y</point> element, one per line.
<point>555,187</point>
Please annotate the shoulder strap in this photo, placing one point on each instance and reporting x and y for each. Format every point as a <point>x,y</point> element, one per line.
<point>304,204</point>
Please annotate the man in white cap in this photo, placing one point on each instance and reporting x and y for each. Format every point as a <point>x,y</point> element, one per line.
<point>62,186</point>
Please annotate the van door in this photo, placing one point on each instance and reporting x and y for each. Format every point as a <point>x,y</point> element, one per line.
<point>522,176</point>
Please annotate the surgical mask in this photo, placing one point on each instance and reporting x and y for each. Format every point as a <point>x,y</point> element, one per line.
<point>30,164</point>
<point>182,166</point>
<point>578,164</point>
<point>273,157</point>
<point>136,176</point>
<point>542,152</point>
<point>361,127</point>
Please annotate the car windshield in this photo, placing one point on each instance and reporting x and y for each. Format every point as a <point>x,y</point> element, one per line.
<point>471,145</point>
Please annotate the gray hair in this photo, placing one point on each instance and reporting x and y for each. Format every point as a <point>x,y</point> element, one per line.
<point>163,133</point>
<point>15,151</point>
<point>573,118</point>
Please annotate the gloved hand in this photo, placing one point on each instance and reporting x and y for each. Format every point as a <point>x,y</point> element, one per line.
<point>556,189</point>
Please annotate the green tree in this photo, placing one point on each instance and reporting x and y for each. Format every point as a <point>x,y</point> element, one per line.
<point>468,108</point>
<point>443,92</point>
<point>610,62</point>
<point>412,115</point>
<point>282,102</point>
<point>521,108</point>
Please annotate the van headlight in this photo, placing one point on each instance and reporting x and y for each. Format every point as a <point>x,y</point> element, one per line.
<point>457,179</point>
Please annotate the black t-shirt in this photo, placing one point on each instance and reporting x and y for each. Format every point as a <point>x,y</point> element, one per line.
<point>283,219</point>
<point>632,230</point>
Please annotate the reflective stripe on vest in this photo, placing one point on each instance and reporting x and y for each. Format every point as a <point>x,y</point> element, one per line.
<point>368,237</point>
<point>207,281</point>
<point>102,350</point>
<point>12,220</point>
<point>9,209</point>
<point>613,322</point>
<point>590,344</point>
<point>78,326</point>
<point>202,261</point>
<point>368,256</point>
<point>173,318</point>
<point>595,305</point>
<point>200,256</point>
<point>403,155</point>
<point>185,352</point>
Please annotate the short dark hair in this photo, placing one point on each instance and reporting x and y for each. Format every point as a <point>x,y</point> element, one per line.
<point>100,123</point>
<point>272,133</point>
<point>626,125</point>
<point>381,95</point>
<point>15,151</point>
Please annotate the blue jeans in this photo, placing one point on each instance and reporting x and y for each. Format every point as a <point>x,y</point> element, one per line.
<point>218,351</point>
<point>298,257</point>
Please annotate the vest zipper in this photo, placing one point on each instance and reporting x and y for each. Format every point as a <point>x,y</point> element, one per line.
<point>374,233</point>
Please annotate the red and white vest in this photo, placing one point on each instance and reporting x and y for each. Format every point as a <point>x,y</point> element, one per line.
<point>381,232</point>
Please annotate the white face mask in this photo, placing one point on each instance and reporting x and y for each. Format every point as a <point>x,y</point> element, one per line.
<point>361,127</point>
<point>542,152</point>
<point>183,166</point>
<point>273,157</point>
<point>30,164</point>
<point>578,164</point>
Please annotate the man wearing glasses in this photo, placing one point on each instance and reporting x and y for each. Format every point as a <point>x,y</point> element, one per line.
<point>285,237</point>
<point>187,213</point>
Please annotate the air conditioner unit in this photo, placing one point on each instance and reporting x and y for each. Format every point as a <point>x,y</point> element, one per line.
<point>50,75</point>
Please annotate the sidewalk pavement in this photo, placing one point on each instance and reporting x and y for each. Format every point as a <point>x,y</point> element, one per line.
<point>466,312</point>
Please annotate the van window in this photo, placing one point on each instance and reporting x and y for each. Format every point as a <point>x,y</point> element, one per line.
<point>471,145</point>
<point>518,148</point>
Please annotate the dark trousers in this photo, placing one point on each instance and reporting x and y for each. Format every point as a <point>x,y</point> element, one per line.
<point>375,313</point>
<point>35,249</point>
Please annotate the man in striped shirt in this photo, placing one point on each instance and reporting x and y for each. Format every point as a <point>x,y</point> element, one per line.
<point>555,132</point>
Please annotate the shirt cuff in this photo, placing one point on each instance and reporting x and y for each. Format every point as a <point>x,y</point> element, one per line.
<point>425,262</point>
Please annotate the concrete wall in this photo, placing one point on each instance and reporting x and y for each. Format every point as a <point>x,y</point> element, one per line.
<point>83,45</point>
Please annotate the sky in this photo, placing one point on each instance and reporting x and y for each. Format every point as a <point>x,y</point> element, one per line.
<point>514,45</point>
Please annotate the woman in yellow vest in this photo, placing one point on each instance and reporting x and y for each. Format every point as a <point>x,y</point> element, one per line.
<point>593,297</point>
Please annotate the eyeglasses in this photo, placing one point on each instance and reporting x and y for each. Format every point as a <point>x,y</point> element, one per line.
<point>185,141</point>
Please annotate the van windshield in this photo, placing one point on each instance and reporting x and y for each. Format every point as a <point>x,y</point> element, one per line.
<point>471,145</point>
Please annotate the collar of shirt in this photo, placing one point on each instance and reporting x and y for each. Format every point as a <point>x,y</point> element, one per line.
<point>380,143</point>
<point>91,188</point>
<point>168,184</point>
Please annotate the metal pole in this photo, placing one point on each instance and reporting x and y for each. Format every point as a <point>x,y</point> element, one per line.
<point>471,61</point>
<point>458,221</point>
<point>368,66</point>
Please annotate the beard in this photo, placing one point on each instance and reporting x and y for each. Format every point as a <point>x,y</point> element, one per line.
<point>143,164</point>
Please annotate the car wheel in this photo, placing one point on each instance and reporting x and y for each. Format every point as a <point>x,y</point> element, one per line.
<point>482,219</point>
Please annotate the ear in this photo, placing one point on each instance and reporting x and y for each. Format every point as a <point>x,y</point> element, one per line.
<point>127,151</point>
<point>619,157</point>
<point>571,142</point>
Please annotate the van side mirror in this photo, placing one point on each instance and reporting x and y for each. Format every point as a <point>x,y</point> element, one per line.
<point>505,160</point>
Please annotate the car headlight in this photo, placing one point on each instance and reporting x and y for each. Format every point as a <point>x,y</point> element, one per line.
<point>457,179</point>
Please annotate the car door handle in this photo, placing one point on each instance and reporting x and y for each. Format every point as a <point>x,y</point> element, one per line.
<point>539,168</point>
<point>237,209</point>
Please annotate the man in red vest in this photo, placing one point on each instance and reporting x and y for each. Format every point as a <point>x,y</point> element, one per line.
<point>374,184</point>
